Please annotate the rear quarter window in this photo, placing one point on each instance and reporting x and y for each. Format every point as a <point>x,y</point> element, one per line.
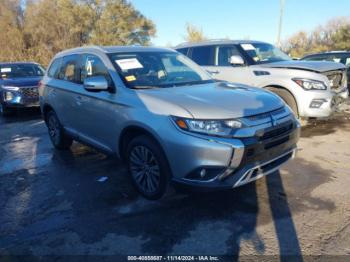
<point>54,68</point>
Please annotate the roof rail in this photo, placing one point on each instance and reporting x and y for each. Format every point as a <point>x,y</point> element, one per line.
<point>205,40</point>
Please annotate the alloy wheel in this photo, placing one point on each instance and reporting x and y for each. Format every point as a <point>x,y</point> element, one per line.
<point>54,129</point>
<point>145,169</point>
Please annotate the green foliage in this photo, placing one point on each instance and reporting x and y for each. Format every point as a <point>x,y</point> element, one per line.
<point>120,24</point>
<point>335,35</point>
<point>194,34</point>
<point>49,26</point>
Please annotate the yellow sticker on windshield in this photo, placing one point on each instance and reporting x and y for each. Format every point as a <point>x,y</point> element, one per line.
<point>130,78</point>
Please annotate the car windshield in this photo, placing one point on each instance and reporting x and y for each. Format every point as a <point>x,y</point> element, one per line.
<point>158,69</point>
<point>264,53</point>
<point>20,70</point>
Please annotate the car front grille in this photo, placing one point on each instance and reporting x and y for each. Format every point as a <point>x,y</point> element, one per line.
<point>30,92</point>
<point>337,79</point>
<point>278,131</point>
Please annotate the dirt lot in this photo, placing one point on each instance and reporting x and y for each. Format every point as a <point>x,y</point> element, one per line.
<point>51,203</point>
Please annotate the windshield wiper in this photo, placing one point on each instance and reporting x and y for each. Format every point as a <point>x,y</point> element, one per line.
<point>143,87</point>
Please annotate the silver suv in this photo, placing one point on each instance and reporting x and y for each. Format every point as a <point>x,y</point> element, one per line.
<point>311,89</point>
<point>165,117</point>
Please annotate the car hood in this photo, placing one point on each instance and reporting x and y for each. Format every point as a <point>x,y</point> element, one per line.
<point>315,66</point>
<point>214,100</point>
<point>21,82</point>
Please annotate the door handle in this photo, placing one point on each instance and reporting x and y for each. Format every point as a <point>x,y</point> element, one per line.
<point>213,72</point>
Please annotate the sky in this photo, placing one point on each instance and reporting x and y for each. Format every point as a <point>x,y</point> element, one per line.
<point>237,19</point>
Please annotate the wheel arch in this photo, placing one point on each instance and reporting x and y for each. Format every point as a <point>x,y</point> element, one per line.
<point>286,89</point>
<point>129,133</point>
<point>46,109</point>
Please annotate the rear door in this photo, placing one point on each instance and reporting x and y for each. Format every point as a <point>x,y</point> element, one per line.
<point>63,87</point>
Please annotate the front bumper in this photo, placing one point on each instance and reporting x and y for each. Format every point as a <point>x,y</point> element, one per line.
<point>231,162</point>
<point>25,97</point>
<point>328,101</point>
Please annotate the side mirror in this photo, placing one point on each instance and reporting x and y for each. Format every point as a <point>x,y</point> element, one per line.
<point>236,60</point>
<point>96,83</point>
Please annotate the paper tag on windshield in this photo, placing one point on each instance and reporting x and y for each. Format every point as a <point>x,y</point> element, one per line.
<point>6,70</point>
<point>130,78</point>
<point>131,63</point>
<point>247,47</point>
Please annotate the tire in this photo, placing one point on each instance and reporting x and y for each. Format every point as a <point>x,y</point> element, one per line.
<point>56,132</point>
<point>290,101</point>
<point>4,110</point>
<point>148,167</point>
<point>287,98</point>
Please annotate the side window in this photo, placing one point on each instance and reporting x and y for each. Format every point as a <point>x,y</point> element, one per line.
<point>225,53</point>
<point>54,68</point>
<point>347,61</point>
<point>70,69</point>
<point>203,55</point>
<point>315,58</point>
<point>183,51</point>
<point>93,66</point>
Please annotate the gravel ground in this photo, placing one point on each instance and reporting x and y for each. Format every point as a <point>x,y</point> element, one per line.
<point>51,203</point>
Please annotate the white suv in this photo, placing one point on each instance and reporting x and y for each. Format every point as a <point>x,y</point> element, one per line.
<point>311,89</point>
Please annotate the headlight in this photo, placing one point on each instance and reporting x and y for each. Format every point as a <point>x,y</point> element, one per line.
<point>309,84</point>
<point>209,127</point>
<point>10,88</point>
<point>8,96</point>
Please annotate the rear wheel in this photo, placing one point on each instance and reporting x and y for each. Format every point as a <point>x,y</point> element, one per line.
<point>56,132</point>
<point>148,167</point>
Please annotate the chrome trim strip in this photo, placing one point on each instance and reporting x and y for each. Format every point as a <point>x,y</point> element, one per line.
<point>246,177</point>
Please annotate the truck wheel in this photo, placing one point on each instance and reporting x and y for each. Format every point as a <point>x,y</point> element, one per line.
<point>287,98</point>
<point>56,132</point>
<point>4,110</point>
<point>148,167</point>
<point>290,101</point>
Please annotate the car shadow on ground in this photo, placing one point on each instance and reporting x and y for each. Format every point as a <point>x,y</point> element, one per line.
<point>21,115</point>
<point>184,222</point>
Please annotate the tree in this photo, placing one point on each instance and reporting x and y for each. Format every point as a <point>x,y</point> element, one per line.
<point>54,25</point>
<point>120,24</point>
<point>11,37</point>
<point>342,38</point>
<point>334,35</point>
<point>49,26</point>
<point>194,34</point>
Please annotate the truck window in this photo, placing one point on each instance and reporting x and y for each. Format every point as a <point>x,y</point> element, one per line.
<point>183,51</point>
<point>225,53</point>
<point>203,55</point>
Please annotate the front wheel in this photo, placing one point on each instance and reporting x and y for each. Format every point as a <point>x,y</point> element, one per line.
<point>148,167</point>
<point>56,132</point>
<point>289,99</point>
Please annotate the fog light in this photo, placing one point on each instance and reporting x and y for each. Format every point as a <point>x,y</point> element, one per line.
<point>317,103</point>
<point>203,173</point>
<point>8,96</point>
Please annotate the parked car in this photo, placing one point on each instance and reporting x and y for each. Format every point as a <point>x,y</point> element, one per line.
<point>311,89</point>
<point>165,117</point>
<point>19,85</point>
<point>334,56</point>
